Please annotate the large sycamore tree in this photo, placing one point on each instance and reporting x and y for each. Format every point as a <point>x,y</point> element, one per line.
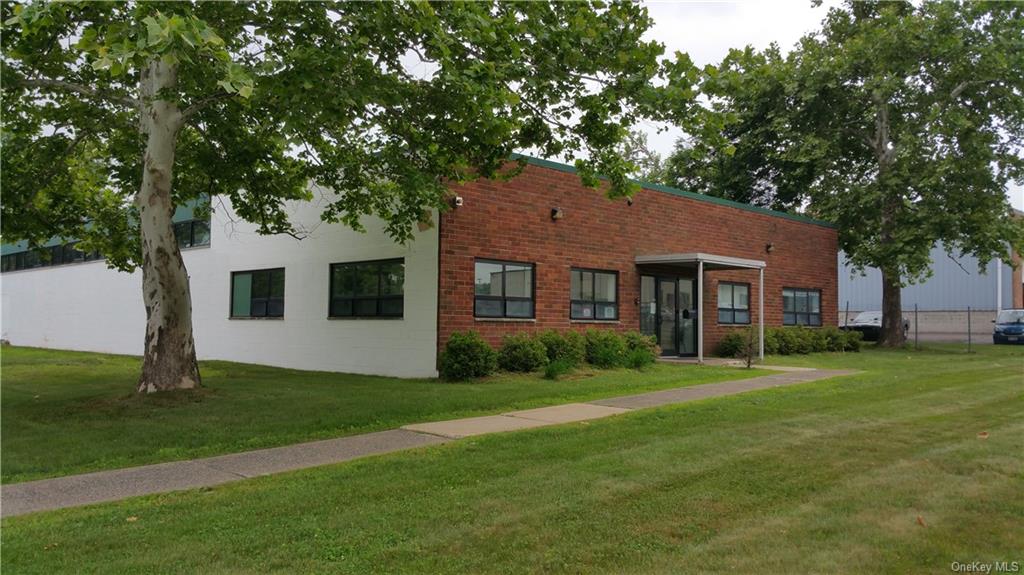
<point>115,113</point>
<point>900,122</point>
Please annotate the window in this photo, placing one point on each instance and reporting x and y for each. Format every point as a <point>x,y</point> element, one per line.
<point>258,293</point>
<point>733,303</point>
<point>503,289</point>
<point>593,294</point>
<point>801,306</point>
<point>368,289</point>
<point>192,233</point>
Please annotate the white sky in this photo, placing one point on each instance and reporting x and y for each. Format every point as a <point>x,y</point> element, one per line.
<point>707,30</point>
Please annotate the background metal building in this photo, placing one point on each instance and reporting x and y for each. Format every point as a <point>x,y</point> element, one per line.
<point>951,287</point>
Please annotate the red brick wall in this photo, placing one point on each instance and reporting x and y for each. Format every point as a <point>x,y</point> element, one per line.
<point>512,221</point>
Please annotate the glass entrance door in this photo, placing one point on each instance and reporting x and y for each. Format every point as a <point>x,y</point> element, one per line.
<point>667,319</point>
<point>668,311</point>
<point>687,316</point>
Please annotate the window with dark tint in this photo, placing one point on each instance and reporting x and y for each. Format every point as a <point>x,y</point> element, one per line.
<point>503,289</point>
<point>593,294</point>
<point>733,303</point>
<point>801,306</point>
<point>192,233</point>
<point>368,289</point>
<point>257,293</point>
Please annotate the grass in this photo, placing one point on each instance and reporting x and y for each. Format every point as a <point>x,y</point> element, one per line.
<point>882,472</point>
<point>69,412</point>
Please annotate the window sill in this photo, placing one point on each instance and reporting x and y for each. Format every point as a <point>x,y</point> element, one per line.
<point>720,324</point>
<point>257,318</point>
<point>190,248</point>
<point>605,321</point>
<point>369,317</point>
<point>507,319</point>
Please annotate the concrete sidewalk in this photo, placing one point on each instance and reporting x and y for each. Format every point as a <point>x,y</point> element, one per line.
<point>113,485</point>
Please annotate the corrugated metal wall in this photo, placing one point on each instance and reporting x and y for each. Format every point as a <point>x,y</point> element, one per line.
<point>951,287</point>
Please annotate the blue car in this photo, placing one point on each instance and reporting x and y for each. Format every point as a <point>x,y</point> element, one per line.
<point>1009,326</point>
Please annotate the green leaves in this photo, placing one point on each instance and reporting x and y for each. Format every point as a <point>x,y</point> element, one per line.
<point>380,102</point>
<point>902,124</point>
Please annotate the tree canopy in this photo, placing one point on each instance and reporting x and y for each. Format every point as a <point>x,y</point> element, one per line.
<point>381,102</point>
<point>901,124</point>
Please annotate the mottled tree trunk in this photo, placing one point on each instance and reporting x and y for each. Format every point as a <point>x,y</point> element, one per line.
<point>170,356</point>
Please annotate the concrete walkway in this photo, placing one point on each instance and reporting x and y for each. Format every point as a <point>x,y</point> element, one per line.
<point>113,485</point>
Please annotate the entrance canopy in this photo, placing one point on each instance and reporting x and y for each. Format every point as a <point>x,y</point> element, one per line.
<point>710,261</point>
<point>704,261</point>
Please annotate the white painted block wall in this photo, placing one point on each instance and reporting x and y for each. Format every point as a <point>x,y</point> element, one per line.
<point>87,307</point>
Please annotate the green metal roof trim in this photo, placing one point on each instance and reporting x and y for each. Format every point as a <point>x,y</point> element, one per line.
<point>677,192</point>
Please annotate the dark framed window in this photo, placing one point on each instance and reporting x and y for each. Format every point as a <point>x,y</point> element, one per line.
<point>368,289</point>
<point>257,293</point>
<point>503,289</point>
<point>733,303</point>
<point>192,233</point>
<point>593,294</point>
<point>801,306</point>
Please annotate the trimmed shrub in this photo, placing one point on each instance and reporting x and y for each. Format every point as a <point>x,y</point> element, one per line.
<point>835,340</point>
<point>639,358</point>
<point>467,355</point>
<point>647,343</point>
<point>569,346</point>
<point>520,352</point>
<point>731,345</point>
<point>852,340</point>
<point>793,340</point>
<point>641,350</point>
<point>605,348</point>
<point>558,368</point>
<point>771,341</point>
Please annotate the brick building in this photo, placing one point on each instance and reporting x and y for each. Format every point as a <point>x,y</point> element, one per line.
<point>647,253</point>
<point>533,252</point>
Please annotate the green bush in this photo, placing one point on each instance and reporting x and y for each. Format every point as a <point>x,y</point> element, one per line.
<point>568,346</point>
<point>558,368</point>
<point>641,350</point>
<point>646,343</point>
<point>520,352</point>
<point>731,345</point>
<point>852,340</point>
<point>835,340</point>
<point>793,340</point>
<point>467,355</point>
<point>639,358</point>
<point>772,343</point>
<point>605,348</point>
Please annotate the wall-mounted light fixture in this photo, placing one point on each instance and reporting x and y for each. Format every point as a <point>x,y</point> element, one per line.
<point>556,214</point>
<point>457,201</point>
<point>769,247</point>
<point>629,201</point>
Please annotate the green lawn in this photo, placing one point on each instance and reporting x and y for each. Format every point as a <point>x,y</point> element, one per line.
<point>882,472</point>
<point>67,412</point>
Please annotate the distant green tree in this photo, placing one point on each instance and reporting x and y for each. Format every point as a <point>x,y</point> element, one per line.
<point>901,124</point>
<point>648,163</point>
<point>115,113</point>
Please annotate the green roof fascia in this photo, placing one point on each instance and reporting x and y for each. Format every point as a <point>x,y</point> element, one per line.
<point>682,193</point>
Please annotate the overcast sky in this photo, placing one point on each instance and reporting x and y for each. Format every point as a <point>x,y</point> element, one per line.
<point>706,31</point>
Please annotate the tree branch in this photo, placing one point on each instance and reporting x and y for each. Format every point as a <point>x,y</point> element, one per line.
<point>200,104</point>
<point>63,86</point>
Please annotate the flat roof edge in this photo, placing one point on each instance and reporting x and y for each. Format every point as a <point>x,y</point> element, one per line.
<point>683,193</point>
